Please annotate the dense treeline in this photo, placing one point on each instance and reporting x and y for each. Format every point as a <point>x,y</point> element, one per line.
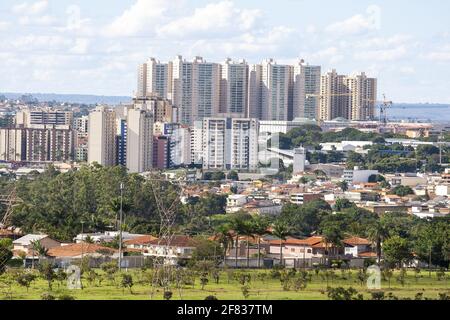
<point>60,203</point>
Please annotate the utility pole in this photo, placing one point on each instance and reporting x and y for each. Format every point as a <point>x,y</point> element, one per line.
<point>120,226</point>
<point>441,138</point>
<point>82,241</point>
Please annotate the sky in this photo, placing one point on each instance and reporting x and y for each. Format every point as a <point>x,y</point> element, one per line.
<point>94,47</point>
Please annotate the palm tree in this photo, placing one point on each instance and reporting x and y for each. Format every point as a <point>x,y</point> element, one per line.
<point>37,247</point>
<point>225,237</point>
<point>260,226</point>
<point>281,230</point>
<point>248,231</point>
<point>239,226</point>
<point>343,185</point>
<point>377,234</point>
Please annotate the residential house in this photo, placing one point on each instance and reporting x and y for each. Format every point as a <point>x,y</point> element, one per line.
<point>79,250</point>
<point>178,247</point>
<point>24,244</point>
<point>142,243</point>
<point>354,247</point>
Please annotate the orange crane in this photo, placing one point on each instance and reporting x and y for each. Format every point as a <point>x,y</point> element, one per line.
<point>384,105</point>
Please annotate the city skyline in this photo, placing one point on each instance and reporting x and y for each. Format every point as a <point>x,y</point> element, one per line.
<point>58,47</point>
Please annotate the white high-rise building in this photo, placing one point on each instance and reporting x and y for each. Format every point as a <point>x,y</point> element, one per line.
<point>195,89</point>
<point>363,96</point>
<point>102,137</point>
<point>234,88</point>
<point>12,146</point>
<point>215,138</point>
<point>159,81</point>
<point>276,95</point>
<point>306,90</point>
<point>142,80</point>
<point>244,144</point>
<point>334,97</point>
<point>139,139</point>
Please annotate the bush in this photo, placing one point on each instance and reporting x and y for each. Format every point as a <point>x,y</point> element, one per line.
<point>66,297</point>
<point>47,296</point>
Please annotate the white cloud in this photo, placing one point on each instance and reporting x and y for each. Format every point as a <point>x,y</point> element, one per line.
<point>81,46</point>
<point>213,20</point>
<point>141,18</point>
<point>4,25</point>
<point>382,54</point>
<point>442,55</point>
<point>28,9</point>
<point>357,24</point>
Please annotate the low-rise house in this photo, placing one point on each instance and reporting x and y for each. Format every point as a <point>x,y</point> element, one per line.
<point>107,236</point>
<point>24,244</point>
<point>312,247</point>
<point>301,198</point>
<point>263,207</point>
<point>430,211</point>
<point>141,243</point>
<point>355,247</point>
<point>235,202</point>
<point>79,250</point>
<point>179,247</point>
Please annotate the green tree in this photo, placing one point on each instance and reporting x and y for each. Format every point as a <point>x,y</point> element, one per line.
<point>397,251</point>
<point>281,230</point>
<point>260,229</point>
<point>343,185</point>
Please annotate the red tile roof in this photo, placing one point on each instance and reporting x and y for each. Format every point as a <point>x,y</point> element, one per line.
<point>141,240</point>
<point>354,241</point>
<point>176,241</point>
<point>75,250</point>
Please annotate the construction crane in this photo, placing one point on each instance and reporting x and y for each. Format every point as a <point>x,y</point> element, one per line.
<point>384,105</point>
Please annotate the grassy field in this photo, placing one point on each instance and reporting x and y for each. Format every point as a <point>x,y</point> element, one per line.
<point>269,289</point>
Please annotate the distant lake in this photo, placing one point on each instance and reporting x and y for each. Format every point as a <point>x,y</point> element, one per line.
<point>423,112</point>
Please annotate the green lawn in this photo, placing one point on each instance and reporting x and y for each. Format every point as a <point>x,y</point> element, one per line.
<point>270,289</point>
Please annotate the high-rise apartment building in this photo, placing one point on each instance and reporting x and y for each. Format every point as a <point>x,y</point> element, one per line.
<point>244,144</point>
<point>159,79</point>
<point>234,88</point>
<point>254,92</point>
<point>49,145</point>
<point>215,139</point>
<point>44,117</point>
<point>362,97</point>
<point>142,80</point>
<point>102,136</point>
<point>306,91</point>
<point>228,143</point>
<point>334,97</point>
<point>195,89</point>
<point>12,145</point>
<point>276,91</point>
<point>139,139</point>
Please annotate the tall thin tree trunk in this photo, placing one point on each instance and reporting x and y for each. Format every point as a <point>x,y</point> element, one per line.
<point>281,252</point>
<point>248,252</point>
<point>259,252</point>
<point>236,253</point>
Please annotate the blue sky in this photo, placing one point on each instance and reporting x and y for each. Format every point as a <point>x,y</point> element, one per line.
<point>93,47</point>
